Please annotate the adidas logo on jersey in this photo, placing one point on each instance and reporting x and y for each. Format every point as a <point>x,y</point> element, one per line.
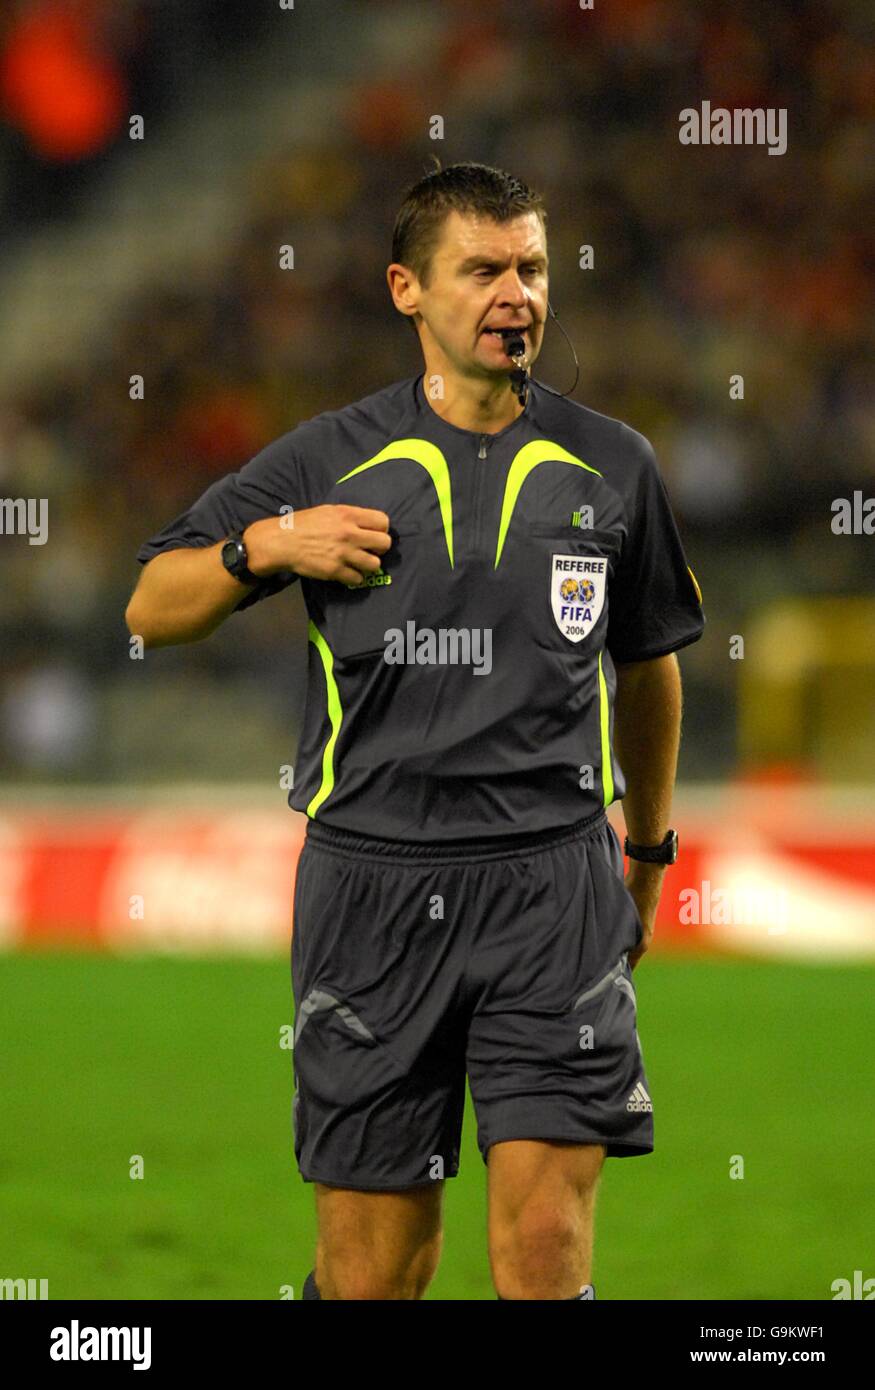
<point>639,1099</point>
<point>372,581</point>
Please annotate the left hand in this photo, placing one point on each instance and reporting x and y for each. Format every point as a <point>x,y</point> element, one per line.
<point>644,882</point>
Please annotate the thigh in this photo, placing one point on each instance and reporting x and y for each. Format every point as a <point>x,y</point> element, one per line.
<point>384,1226</point>
<point>541,1194</point>
<point>525,1171</point>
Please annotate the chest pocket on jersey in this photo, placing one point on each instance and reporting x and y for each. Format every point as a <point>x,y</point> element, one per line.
<point>354,621</point>
<point>569,573</point>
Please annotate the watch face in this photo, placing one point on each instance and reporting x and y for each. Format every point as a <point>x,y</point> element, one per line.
<point>229,553</point>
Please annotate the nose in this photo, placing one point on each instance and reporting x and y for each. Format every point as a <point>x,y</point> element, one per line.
<point>512,291</point>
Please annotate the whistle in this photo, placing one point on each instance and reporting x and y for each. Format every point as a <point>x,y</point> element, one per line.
<point>515,349</point>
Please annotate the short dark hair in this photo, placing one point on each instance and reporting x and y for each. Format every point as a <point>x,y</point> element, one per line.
<point>459,188</point>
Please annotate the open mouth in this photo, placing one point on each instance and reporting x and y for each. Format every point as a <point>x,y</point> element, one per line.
<point>507,332</point>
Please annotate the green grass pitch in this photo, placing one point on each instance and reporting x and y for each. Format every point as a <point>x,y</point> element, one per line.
<point>179,1060</point>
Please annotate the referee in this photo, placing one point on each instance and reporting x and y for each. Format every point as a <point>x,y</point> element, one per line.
<point>496,590</point>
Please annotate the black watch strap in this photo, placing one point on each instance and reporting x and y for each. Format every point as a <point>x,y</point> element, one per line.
<point>664,853</point>
<point>236,559</point>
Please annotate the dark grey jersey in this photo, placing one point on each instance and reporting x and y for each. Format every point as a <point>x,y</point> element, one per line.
<point>468,688</point>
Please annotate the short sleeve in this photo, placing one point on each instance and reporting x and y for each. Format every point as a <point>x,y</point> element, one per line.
<point>654,603</point>
<point>263,487</point>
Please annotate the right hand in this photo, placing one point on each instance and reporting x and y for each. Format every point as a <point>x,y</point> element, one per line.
<point>329,542</point>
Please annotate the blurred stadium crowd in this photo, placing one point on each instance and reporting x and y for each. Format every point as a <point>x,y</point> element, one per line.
<point>708,262</point>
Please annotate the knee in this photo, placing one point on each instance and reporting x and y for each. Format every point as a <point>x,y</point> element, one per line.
<point>364,1275</point>
<point>538,1232</point>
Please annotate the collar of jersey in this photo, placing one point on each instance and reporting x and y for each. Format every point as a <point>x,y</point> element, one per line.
<point>424,408</point>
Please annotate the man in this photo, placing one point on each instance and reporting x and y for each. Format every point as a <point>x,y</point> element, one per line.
<point>496,591</point>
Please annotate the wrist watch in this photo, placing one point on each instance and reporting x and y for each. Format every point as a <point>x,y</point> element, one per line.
<point>664,853</point>
<point>235,558</point>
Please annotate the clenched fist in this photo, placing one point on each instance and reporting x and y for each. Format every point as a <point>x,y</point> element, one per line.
<point>328,542</point>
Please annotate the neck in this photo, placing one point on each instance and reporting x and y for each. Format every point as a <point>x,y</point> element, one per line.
<point>484,406</point>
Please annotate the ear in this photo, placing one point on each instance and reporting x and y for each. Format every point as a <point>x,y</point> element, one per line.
<point>404,288</point>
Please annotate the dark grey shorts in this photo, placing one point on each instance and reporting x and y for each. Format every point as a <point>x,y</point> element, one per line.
<point>412,966</point>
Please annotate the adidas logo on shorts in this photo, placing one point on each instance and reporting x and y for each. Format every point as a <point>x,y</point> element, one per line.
<point>639,1099</point>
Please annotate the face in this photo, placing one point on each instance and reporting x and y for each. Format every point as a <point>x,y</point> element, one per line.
<point>484,275</point>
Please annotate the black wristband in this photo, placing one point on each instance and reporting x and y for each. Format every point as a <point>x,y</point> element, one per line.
<point>664,853</point>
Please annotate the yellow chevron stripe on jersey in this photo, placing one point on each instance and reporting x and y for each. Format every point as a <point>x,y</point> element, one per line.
<point>435,465</point>
<point>530,455</point>
<point>335,715</point>
<point>604,722</point>
<point>695,584</point>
